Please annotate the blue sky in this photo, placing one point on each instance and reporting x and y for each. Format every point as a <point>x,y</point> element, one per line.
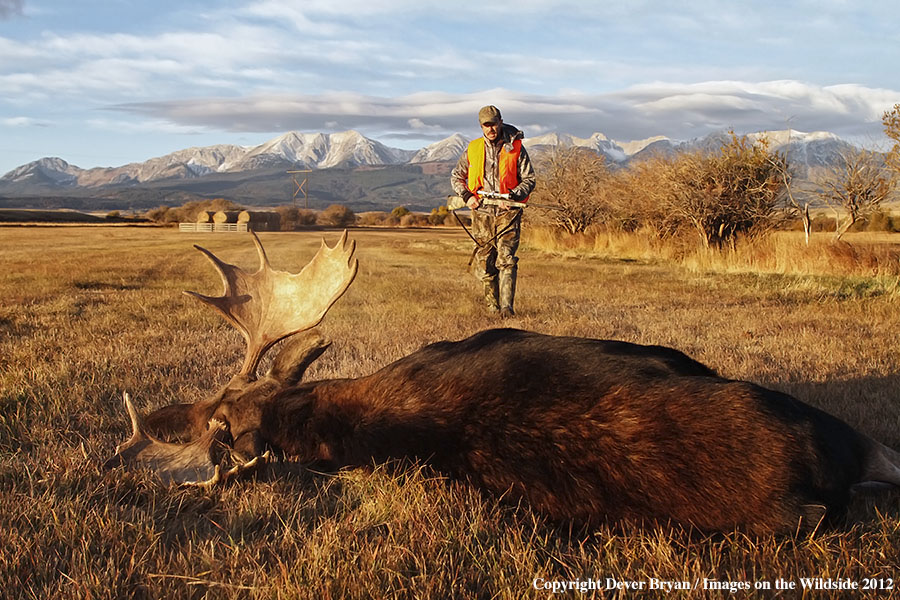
<point>107,83</point>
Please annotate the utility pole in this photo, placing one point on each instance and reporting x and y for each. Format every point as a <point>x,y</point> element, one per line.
<point>300,186</point>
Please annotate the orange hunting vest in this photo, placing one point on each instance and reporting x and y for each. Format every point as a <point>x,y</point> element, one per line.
<point>509,166</point>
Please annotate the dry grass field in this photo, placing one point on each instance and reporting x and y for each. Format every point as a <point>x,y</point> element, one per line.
<point>87,313</point>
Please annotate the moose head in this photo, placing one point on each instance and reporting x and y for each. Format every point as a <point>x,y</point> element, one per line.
<point>266,306</point>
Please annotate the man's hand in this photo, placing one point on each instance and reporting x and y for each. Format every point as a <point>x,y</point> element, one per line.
<point>514,196</point>
<point>473,202</point>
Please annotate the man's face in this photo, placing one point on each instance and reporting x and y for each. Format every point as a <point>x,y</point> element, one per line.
<point>491,129</point>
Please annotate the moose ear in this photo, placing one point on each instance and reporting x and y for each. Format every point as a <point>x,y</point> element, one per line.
<point>297,353</point>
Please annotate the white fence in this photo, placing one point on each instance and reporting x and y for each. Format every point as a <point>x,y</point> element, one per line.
<point>213,227</point>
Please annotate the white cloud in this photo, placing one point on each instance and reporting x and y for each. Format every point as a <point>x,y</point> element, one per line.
<point>676,111</point>
<point>131,127</point>
<point>23,122</point>
<point>420,125</point>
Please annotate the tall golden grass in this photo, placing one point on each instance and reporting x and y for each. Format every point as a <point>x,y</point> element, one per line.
<point>88,313</point>
<point>866,255</point>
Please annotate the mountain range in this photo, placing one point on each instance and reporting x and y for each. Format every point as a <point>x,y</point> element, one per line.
<point>347,167</point>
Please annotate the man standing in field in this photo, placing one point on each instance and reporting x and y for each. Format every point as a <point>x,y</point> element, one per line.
<point>496,162</point>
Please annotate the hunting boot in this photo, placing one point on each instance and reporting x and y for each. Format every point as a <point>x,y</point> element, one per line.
<point>490,295</point>
<point>507,279</point>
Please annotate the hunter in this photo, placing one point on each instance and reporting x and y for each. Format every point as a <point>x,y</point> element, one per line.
<point>496,162</point>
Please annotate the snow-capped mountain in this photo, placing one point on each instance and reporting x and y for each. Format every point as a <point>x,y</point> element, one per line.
<point>320,151</point>
<point>304,150</point>
<point>635,146</point>
<point>448,149</point>
<point>49,170</point>
<point>350,149</point>
<point>298,150</point>
<point>598,142</point>
<point>815,149</point>
<point>183,164</point>
<point>804,150</point>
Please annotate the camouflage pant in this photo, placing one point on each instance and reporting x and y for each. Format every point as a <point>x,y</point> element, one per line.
<point>495,252</point>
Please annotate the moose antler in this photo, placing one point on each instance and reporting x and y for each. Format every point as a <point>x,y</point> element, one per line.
<point>268,305</point>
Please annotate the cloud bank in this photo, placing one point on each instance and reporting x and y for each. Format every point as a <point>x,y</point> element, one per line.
<point>678,111</point>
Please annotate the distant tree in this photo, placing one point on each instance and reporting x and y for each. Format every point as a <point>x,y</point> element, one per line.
<point>159,214</point>
<point>400,212</point>
<point>738,190</point>
<point>337,215</point>
<point>646,186</point>
<point>372,218</point>
<point>857,185</point>
<point>439,215</point>
<point>891,121</point>
<point>575,179</point>
<point>293,217</point>
<point>797,199</point>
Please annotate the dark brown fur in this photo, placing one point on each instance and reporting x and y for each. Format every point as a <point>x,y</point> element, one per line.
<point>583,430</point>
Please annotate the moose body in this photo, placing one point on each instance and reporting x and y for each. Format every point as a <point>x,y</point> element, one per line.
<point>583,430</point>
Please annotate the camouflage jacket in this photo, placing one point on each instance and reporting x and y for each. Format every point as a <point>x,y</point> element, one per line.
<point>508,133</point>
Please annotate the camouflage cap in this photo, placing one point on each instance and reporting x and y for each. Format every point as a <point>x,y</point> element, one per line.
<point>489,114</point>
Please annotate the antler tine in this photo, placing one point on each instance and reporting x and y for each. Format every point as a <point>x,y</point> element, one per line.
<point>230,279</point>
<point>263,259</point>
<point>269,305</point>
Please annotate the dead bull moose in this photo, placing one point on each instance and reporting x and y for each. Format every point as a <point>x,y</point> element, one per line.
<point>583,430</point>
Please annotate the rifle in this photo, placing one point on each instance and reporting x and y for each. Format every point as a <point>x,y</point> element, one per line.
<point>495,199</point>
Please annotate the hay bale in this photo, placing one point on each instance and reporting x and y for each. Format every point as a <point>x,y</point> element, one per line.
<point>226,216</point>
<point>205,216</point>
<point>260,220</point>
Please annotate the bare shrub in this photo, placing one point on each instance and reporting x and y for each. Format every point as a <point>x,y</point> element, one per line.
<point>891,121</point>
<point>293,217</point>
<point>574,179</point>
<point>372,218</point>
<point>739,190</point>
<point>648,188</point>
<point>856,186</point>
<point>439,215</point>
<point>823,223</point>
<point>881,220</point>
<point>336,215</point>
